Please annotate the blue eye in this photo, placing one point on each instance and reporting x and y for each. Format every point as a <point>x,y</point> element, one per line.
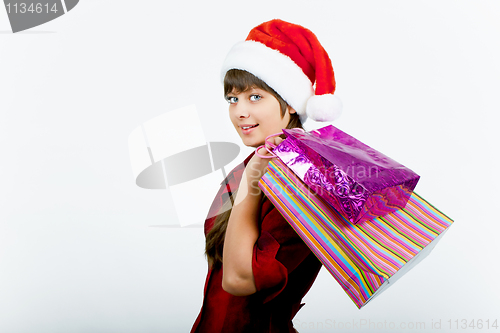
<point>232,99</point>
<point>255,98</point>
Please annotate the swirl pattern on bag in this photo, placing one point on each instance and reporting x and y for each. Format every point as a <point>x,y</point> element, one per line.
<point>358,181</point>
<point>330,183</point>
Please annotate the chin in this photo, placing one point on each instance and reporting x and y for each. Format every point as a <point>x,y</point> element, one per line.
<point>251,141</point>
<point>252,144</point>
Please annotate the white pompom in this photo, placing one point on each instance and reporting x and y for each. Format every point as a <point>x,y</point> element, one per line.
<point>326,107</point>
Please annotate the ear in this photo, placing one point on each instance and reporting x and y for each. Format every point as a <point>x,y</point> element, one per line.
<point>290,109</point>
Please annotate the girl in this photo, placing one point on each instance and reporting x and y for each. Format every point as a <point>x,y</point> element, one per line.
<point>258,267</point>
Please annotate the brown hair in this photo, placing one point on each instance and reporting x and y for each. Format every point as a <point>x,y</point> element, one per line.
<point>238,81</point>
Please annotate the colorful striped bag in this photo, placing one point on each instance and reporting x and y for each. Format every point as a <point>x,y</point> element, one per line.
<point>365,258</point>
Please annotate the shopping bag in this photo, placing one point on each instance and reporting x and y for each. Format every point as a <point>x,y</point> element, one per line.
<point>367,257</point>
<point>357,180</point>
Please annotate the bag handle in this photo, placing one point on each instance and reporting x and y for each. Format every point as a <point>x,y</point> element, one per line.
<point>265,146</point>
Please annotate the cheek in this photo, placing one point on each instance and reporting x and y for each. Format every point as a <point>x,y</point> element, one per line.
<point>274,114</point>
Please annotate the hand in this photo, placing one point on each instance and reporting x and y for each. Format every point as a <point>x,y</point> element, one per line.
<point>257,166</point>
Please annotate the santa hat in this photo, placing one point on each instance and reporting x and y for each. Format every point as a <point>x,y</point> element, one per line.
<point>290,59</point>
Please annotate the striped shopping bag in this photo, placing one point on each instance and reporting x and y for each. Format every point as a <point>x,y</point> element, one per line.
<point>365,258</point>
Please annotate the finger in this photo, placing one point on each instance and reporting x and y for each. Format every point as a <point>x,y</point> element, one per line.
<point>263,151</point>
<point>277,140</point>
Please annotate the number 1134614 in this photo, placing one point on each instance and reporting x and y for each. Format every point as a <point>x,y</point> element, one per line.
<point>473,324</point>
<point>21,8</point>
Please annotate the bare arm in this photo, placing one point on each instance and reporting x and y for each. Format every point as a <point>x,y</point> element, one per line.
<point>243,231</point>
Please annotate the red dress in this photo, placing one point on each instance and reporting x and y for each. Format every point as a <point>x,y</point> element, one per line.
<point>283,267</point>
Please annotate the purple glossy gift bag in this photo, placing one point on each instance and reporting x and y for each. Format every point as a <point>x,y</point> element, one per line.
<point>358,181</point>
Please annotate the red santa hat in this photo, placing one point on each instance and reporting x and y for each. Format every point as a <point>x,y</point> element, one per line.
<point>290,59</point>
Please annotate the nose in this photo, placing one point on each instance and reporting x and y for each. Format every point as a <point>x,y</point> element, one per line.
<point>241,110</point>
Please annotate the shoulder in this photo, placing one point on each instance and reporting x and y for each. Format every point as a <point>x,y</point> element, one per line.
<point>228,185</point>
<point>234,175</point>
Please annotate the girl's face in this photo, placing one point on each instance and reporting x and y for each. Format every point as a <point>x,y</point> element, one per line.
<point>256,114</point>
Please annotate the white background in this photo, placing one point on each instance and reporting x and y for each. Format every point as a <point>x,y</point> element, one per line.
<point>78,248</point>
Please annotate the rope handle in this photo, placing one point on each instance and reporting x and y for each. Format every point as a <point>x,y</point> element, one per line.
<point>272,145</point>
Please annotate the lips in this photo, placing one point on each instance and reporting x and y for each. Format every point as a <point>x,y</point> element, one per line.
<point>246,129</point>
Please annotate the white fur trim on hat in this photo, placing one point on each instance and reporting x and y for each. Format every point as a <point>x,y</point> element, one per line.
<point>325,107</point>
<point>279,72</point>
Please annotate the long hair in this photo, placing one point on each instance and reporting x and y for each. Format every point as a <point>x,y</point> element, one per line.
<point>238,81</point>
